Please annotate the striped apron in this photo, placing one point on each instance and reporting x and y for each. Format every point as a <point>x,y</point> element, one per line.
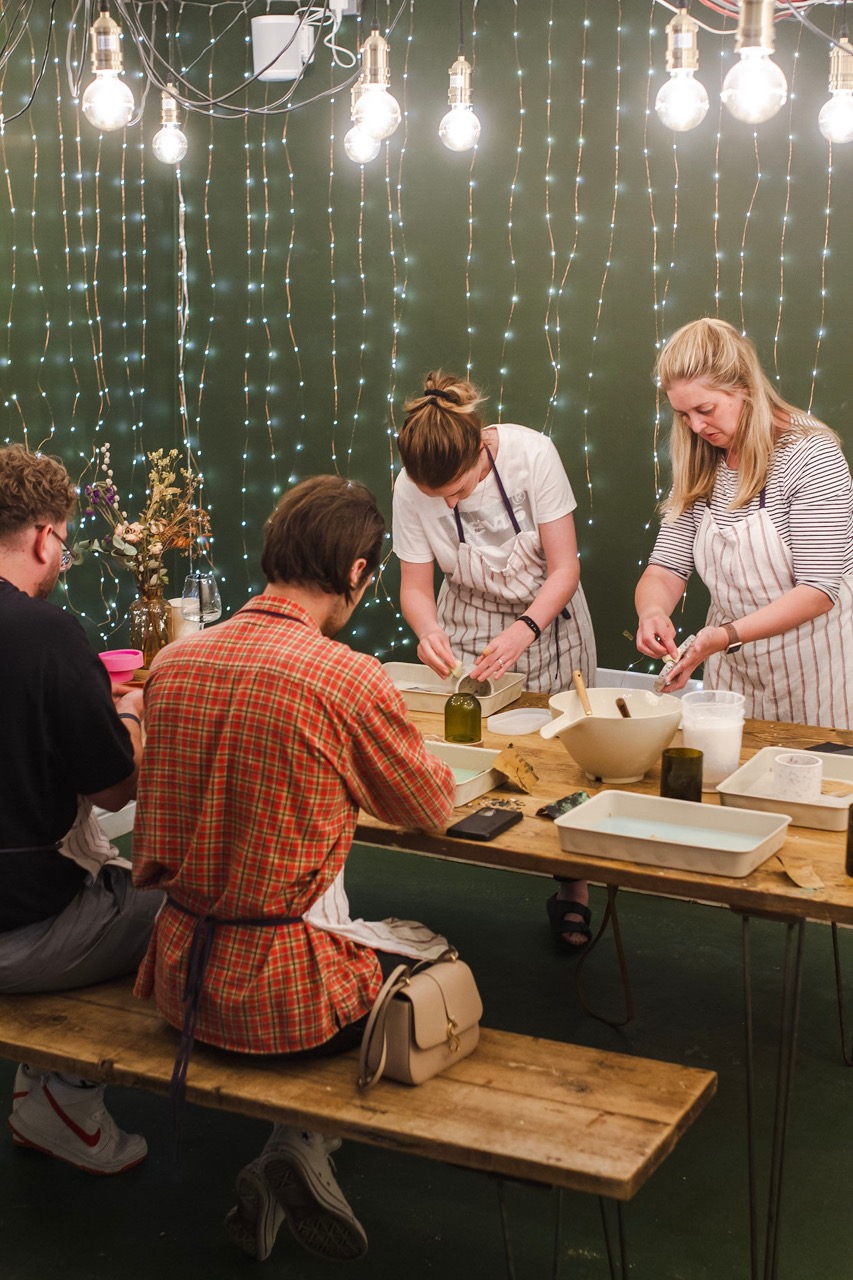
<point>477,602</point>
<point>804,676</point>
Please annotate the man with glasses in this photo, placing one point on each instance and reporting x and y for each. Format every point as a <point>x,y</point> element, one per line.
<point>64,746</point>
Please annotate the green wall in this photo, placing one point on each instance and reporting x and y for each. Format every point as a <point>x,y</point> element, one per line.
<point>317,293</point>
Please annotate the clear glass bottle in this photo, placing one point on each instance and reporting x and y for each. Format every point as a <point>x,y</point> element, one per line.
<point>462,718</point>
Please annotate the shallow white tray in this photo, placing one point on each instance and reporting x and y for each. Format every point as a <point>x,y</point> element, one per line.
<point>516,723</point>
<point>672,833</point>
<point>751,788</point>
<point>423,690</point>
<point>473,769</point>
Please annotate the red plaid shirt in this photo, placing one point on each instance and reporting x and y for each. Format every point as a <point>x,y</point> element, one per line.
<point>264,740</point>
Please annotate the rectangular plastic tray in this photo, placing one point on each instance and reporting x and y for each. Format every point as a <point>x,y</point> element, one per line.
<point>672,833</point>
<point>472,768</point>
<point>423,690</point>
<point>751,788</point>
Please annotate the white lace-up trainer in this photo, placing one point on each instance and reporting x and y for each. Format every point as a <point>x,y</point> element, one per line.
<point>71,1122</point>
<point>26,1078</point>
<point>297,1167</point>
<point>254,1221</point>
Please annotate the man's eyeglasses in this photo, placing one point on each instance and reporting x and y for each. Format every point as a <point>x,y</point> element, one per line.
<point>67,558</point>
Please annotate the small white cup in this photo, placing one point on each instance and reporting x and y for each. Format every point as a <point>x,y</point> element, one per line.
<point>179,626</point>
<point>797,776</point>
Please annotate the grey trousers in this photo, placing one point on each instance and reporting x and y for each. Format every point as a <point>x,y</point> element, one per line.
<point>103,933</point>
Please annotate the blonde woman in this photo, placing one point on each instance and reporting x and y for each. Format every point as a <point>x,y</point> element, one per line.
<point>762,507</point>
<point>492,507</point>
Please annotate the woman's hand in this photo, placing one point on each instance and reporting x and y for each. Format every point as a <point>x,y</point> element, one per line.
<point>708,641</point>
<point>435,652</point>
<point>656,636</point>
<point>502,653</point>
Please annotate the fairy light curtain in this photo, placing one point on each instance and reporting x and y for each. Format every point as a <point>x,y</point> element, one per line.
<point>267,305</point>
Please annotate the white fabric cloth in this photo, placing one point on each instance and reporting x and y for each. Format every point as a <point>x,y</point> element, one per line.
<point>331,912</point>
<point>87,845</point>
<point>804,676</point>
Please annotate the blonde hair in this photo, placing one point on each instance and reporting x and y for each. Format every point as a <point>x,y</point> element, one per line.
<point>441,435</point>
<point>714,353</point>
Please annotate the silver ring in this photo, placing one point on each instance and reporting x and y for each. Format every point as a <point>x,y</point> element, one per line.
<point>500,662</point>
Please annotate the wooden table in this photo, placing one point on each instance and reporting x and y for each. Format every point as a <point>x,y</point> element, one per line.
<point>769,892</point>
<point>534,845</point>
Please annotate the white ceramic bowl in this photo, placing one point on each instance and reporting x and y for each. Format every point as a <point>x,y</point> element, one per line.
<point>606,745</point>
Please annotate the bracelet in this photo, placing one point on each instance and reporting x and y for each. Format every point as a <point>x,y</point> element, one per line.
<point>128,715</point>
<point>534,626</point>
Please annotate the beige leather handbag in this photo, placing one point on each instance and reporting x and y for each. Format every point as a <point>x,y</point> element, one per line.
<point>425,1018</point>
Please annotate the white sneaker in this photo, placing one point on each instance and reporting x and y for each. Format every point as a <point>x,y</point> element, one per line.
<point>298,1170</point>
<point>254,1221</point>
<point>72,1123</point>
<point>26,1078</point>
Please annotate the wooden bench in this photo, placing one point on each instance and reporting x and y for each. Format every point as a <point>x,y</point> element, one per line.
<point>507,1110</point>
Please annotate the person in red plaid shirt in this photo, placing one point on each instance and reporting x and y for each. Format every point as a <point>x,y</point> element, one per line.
<point>265,738</point>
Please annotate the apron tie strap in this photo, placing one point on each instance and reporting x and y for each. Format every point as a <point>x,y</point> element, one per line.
<point>201,947</point>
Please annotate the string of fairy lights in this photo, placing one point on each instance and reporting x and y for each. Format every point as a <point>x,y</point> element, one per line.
<point>322,352</point>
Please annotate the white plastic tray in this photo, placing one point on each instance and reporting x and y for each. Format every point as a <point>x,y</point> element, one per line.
<point>751,788</point>
<point>423,690</point>
<point>473,768</point>
<point>672,833</point>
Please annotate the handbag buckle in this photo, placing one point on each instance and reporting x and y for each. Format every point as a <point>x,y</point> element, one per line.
<point>452,1037</point>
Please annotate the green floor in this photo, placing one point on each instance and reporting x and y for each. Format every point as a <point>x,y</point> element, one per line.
<point>428,1220</point>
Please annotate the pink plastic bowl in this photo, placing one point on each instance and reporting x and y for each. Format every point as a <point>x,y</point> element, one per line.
<point>121,663</point>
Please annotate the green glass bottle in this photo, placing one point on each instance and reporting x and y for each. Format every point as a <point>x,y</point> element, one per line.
<point>462,718</point>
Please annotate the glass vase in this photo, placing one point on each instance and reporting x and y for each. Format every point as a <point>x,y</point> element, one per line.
<point>149,623</point>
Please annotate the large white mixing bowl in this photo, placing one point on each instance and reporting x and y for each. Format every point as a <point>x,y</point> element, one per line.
<point>605,744</point>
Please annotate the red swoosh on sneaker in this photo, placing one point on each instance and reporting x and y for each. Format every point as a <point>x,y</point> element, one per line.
<point>90,1139</point>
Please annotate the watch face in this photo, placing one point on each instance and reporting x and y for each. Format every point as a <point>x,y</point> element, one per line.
<point>735,648</point>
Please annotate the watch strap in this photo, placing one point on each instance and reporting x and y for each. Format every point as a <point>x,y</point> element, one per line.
<point>735,641</point>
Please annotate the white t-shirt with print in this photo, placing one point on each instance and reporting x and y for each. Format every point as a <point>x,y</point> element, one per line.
<point>536,485</point>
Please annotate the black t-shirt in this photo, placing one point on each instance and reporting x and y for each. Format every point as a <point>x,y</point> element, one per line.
<point>60,737</point>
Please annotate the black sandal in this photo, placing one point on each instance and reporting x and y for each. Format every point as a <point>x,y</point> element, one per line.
<point>558,909</point>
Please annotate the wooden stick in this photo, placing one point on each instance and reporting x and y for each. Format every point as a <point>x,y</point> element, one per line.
<point>622,707</point>
<point>580,686</point>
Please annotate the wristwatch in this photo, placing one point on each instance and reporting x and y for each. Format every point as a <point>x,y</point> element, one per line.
<point>735,643</point>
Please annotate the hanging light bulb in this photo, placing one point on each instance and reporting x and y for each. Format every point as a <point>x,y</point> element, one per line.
<point>377,112</point>
<point>169,143</point>
<point>460,129</point>
<point>359,146</point>
<point>755,88</point>
<point>107,102</point>
<point>682,102</point>
<point>836,116</point>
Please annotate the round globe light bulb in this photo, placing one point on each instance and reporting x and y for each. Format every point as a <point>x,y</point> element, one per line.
<point>755,88</point>
<point>682,102</point>
<point>836,117</point>
<point>377,113</point>
<point>360,147</point>
<point>459,129</point>
<point>169,144</point>
<point>107,102</point>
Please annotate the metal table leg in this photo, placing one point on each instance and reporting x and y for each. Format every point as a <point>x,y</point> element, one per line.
<point>839,991</point>
<point>788,1025</point>
<point>610,914</point>
<point>558,1232</point>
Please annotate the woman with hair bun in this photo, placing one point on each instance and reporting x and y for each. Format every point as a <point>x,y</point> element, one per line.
<point>492,506</point>
<point>762,507</point>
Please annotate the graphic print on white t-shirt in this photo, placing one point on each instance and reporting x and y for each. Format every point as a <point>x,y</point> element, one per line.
<point>490,525</point>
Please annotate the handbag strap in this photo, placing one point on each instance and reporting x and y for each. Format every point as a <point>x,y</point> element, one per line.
<point>375,1030</point>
